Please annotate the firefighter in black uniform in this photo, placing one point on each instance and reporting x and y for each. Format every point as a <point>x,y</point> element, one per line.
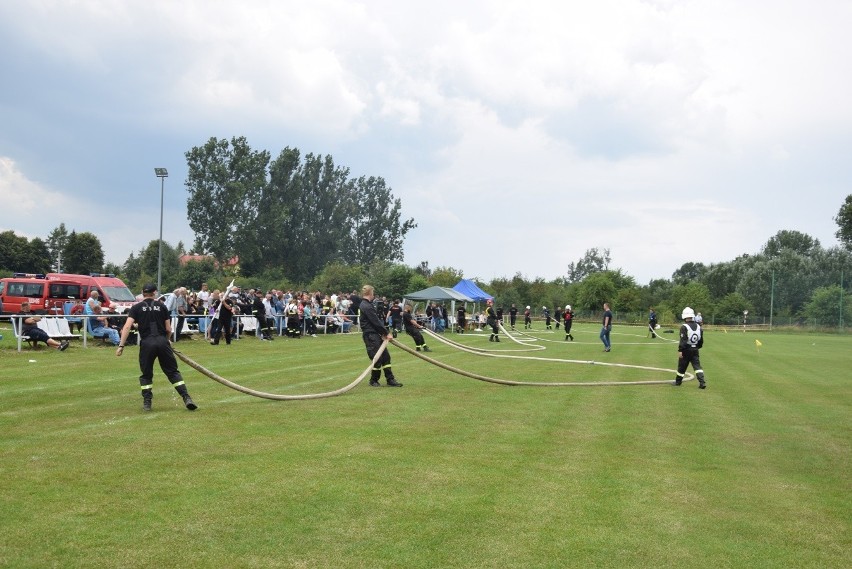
<point>652,322</point>
<point>155,327</point>
<point>691,341</point>
<point>461,319</point>
<point>395,317</point>
<point>374,332</point>
<point>568,317</point>
<point>412,328</point>
<point>491,319</point>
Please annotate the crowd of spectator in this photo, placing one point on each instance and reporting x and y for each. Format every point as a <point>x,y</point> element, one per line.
<point>276,312</point>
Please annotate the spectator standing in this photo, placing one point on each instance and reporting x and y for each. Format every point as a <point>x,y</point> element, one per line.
<point>606,327</point>
<point>181,309</point>
<point>308,315</point>
<point>155,325</point>
<point>204,297</point>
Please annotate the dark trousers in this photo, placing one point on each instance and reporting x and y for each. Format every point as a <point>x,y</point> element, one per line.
<point>415,333</point>
<point>220,325</point>
<point>157,348</point>
<point>373,342</point>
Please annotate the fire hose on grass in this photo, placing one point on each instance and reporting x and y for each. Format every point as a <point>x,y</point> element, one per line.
<point>478,351</point>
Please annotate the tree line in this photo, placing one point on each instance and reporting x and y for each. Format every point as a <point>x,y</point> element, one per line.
<point>283,245</point>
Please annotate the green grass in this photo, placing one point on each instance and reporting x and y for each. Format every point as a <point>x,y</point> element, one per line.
<point>445,472</point>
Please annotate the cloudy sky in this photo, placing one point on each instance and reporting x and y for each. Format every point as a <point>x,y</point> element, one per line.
<point>518,135</point>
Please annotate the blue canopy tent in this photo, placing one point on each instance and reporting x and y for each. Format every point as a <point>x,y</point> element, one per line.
<point>469,289</point>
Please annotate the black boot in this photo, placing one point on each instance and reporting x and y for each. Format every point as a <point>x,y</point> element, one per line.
<point>146,400</point>
<point>496,338</point>
<point>374,378</point>
<point>392,382</point>
<point>190,404</point>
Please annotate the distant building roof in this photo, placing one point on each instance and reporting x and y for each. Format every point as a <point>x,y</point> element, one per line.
<point>184,259</point>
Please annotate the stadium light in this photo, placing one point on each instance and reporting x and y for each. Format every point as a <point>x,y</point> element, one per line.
<point>162,174</point>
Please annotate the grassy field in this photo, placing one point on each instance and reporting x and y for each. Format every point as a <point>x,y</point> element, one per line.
<point>444,472</point>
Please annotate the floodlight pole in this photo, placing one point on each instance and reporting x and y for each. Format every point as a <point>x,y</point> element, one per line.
<point>162,174</point>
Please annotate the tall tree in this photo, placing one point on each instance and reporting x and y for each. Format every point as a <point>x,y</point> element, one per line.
<point>225,183</point>
<point>316,216</point>
<point>722,278</point>
<point>56,242</point>
<point>83,254</point>
<point>827,305</point>
<point>693,294</point>
<point>142,267</point>
<point>446,276</point>
<point>688,272</point>
<point>39,257</point>
<point>14,251</point>
<point>376,227</point>
<point>729,310</point>
<point>594,261</point>
<point>844,223</point>
<point>795,241</point>
<point>793,283</point>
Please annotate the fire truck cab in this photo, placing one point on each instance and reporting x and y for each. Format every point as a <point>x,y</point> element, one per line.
<point>112,291</point>
<point>46,296</point>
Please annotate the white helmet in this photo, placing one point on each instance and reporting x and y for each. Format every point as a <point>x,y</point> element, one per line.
<point>688,313</point>
<point>544,308</point>
<point>528,306</point>
<point>567,307</point>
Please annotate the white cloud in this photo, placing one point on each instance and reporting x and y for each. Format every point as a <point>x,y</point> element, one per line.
<point>27,204</point>
<point>578,124</point>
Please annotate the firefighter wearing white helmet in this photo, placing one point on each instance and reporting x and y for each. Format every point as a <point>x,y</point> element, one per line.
<point>691,341</point>
<point>527,318</point>
<point>568,319</point>
<point>491,320</point>
<point>545,311</point>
